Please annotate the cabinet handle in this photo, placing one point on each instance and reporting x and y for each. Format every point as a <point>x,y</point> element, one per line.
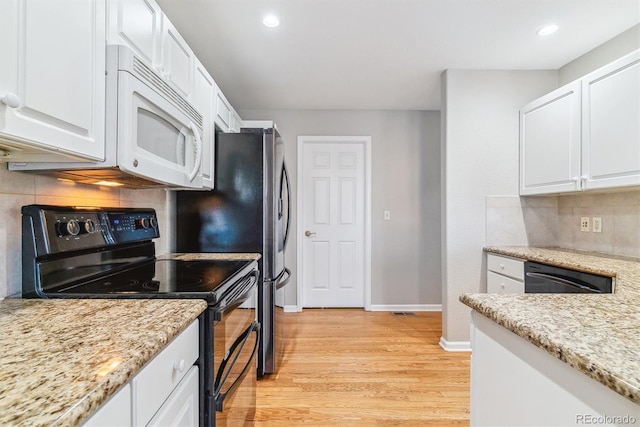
<point>576,182</point>
<point>583,182</point>
<point>179,366</point>
<point>501,266</point>
<point>10,100</point>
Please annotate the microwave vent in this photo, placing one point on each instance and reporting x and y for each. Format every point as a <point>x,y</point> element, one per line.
<point>152,79</point>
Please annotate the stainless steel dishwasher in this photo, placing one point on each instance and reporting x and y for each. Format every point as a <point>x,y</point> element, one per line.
<point>548,279</point>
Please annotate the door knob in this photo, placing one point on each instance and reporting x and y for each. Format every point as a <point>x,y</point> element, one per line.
<point>309,233</point>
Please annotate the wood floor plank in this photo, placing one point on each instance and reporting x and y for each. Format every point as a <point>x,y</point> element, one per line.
<point>349,367</point>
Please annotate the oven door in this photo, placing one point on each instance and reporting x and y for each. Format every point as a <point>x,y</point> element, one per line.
<point>156,139</point>
<point>236,336</point>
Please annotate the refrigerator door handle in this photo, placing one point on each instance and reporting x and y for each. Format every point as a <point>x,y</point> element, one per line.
<point>285,176</point>
<point>280,282</point>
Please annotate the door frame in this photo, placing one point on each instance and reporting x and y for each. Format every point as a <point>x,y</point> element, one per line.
<point>365,141</point>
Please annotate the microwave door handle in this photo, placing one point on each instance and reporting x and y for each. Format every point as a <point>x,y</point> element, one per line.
<point>198,147</point>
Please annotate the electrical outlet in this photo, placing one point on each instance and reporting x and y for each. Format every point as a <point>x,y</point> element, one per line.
<point>584,224</point>
<point>597,224</point>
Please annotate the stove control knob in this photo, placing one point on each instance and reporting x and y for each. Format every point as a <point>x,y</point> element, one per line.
<point>89,226</point>
<point>153,221</point>
<point>141,223</point>
<point>70,228</point>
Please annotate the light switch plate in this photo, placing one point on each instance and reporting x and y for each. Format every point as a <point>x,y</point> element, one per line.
<point>584,223</point>
<point>597,224</point>
<point>387,215</point>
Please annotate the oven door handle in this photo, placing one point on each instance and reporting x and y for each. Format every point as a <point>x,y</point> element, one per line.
<point>232,355</point>
<point>562,281</point>
<point>249,281</point>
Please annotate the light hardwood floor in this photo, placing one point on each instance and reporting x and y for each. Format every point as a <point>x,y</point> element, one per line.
<point>349,367</point>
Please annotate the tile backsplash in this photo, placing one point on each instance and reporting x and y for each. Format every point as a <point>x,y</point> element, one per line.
<point>555,221</point>
<point>19,188</point>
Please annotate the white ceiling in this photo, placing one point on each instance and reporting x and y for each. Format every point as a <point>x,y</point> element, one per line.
<point>381,54</point>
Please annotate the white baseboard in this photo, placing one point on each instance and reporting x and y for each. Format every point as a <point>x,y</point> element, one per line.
<point>406,307</point>
<point>455,346</point>
<point>291,309</point>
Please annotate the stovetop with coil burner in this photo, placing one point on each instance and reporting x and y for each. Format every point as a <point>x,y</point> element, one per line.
<point>108,253</point>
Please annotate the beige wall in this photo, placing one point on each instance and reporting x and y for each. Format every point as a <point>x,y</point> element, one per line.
<point>19,188</point>
<point>405,180</point>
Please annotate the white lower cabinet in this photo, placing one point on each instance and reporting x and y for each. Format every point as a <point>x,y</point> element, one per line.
<point>164,393</point>
<point>505,275</point>
<point>514,383</point>
<point>181,408</point>
<point>115,412</point>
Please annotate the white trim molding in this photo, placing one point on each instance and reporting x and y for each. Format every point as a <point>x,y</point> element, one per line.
<point>406,307</point>
<point>291,309</point>
<point>455,346</point>
<point>366,142</point>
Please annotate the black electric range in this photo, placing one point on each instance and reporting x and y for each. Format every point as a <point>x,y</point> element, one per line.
<point>72,252</point>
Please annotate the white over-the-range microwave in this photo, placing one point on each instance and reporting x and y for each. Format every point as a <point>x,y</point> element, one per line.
<point>152,134</point>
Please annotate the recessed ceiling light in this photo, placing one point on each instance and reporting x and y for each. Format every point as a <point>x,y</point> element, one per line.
<point>547,29</point>
<point>271,21</point>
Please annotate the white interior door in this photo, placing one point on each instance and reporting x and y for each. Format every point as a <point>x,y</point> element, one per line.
<point>332,221</point>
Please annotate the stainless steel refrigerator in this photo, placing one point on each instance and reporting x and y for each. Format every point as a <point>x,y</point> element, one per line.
<point>247,211</point>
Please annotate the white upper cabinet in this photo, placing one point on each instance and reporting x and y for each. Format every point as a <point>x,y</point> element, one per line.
<point>52,83</point>
<point>236,121</point>
<point>611,124</point>
<point>585,135</point>
<point>204,101</point>
<point>223,111</point>
<point>137,24</point>
<point>178,59</point>
<point>550,142</point>
<point>141,25</point>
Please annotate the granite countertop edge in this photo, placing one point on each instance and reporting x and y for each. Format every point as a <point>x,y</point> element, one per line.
<point>590,358</point>
<point>129,368</point>
<point>53,349</point>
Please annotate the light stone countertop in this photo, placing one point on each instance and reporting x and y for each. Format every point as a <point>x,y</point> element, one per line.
<point>60,359</point>
<point>598,335</point>
<point>211,256</point>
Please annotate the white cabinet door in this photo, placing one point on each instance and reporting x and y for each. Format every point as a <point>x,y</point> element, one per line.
<point>153,385</point>
<point>137,24</point>
<point>223,111</point>
<point>52,75</point>
<point>115,412</point>
<point>203,100</point>
<point>177,59</point>
<point>236,121</point>
<point>611,124</point>
<point>181,409</point>
<point>499,284</point>
<point>550,142</point>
